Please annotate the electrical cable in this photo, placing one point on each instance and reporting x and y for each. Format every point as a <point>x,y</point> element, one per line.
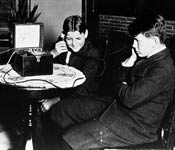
<point>120,50</point>
<point>76,81</point>
<point>11,69</point>
<point>5,75</point>
<point>6,51</point>
<point>10,55</point>
<point>10,58</point>
<point>36,80</point>
<point>29,81</point>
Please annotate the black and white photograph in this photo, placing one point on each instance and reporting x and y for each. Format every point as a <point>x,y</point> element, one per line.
<point>87,75</point>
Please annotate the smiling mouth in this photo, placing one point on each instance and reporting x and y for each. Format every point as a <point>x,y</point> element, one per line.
<point>75,47</point>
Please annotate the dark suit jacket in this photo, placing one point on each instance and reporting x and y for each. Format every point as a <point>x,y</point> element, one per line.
<point>86,60</point>
<point>135,115</point>
<point>140,104</point>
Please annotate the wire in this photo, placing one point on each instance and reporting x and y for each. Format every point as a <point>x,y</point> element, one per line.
<point>6,74</point>
<point>35,80</point>
<point>6,51</point>
<point>120,50</point>
<point>10,57</point>
<point>76,81</point>
<point>38,80</point>
<point>103,70</point>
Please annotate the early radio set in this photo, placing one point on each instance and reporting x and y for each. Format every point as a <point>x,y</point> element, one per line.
<point>29,58</point>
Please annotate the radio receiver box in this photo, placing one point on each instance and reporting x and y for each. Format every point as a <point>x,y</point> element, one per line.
<point>29,58</point>
<point>28,64</point>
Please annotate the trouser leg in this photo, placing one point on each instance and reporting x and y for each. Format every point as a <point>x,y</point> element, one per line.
<point>92,134</point>
<point>72,111</point>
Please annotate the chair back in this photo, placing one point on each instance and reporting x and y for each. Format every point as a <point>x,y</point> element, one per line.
<point>167,133</point>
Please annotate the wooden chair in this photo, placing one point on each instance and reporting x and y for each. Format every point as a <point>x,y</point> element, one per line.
<point>166,132</point>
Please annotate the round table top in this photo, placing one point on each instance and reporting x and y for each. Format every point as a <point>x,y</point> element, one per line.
<point>63,77</point>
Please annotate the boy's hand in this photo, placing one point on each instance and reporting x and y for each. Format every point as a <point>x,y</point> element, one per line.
<point>60,47</point>
<point>129,62</point>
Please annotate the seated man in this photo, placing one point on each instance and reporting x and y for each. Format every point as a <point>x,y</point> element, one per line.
<point>144,91</point>
<point>73,48</point>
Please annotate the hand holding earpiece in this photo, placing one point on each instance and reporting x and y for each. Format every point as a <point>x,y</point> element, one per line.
<point>60,47</point>
<point>129,62</point>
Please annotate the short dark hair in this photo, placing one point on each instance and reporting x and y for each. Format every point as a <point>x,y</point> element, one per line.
<point>74,23</point>
<point>149,25</point>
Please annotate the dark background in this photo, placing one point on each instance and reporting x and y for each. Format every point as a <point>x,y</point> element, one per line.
<point>135,7</point>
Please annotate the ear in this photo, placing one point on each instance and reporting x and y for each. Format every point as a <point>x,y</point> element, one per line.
<point>156,39</point>
<point>86,33</point>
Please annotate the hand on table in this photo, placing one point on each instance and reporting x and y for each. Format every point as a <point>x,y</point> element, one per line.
<point>48,103</point>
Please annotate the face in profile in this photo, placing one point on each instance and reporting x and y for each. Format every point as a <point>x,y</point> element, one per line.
<point>143,45</point>
<point>75,40</point>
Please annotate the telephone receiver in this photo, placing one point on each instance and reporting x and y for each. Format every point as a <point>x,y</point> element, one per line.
<point>62,38</point>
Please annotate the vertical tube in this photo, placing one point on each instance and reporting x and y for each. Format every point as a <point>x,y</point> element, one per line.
<point>28,7</point>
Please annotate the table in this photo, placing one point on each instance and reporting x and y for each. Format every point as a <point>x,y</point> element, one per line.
<point>63,77</point>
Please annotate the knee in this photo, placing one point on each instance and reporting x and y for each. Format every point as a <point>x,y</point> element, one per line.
<point>5,142</point>
<point>9,139</point>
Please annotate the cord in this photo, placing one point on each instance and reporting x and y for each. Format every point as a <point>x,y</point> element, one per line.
<point>5,75</point>
<point>37,80</point>
<point>10,57</point>
<point>32,79</point>
<point>76,80</point>
<point>29,81</point>
<point>11,69</point>
<point>6,51</point>
<point>120,50</point>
